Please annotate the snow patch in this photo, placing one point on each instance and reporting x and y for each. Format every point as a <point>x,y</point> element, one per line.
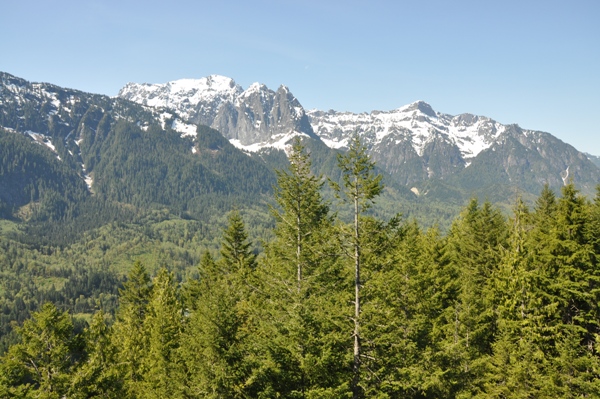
<point>471,134</point>
<point>88,181</point>
<point>42,139</point>
<point>278,141</point>
<point>186,129</point>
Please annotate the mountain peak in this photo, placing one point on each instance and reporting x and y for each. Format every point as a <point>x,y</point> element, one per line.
<point>421,106</point>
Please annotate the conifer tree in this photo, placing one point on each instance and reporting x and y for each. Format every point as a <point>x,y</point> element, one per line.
<point>474,247</point>
<point>303,214</point>
<point>517,363</point>
<point>163,326</point>
<point>404,300</point>
<point>129,336</point>
<point>235,247</point>
<point>97,377</point>
<point>360,187</point>
<point>216,341</point>
<point>40,365</point>
<point>573,285</point>
<point>301,308</point>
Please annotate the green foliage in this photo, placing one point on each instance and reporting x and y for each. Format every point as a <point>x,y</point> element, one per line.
<point>494,308</point>
<point>236,252</point>
<point>217,339</point>
<point>300,308</point>
<point>162,326</point>
<point>40,365</point>
<point>130,335</point>
<point>361,186</point>
<point>30,174</point>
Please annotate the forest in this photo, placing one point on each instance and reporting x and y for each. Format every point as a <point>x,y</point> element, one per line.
<point>331,307</point>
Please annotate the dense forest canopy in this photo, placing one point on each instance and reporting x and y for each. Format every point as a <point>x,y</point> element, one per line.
<point>360,307</point>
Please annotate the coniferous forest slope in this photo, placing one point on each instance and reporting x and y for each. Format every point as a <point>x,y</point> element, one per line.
<point>142,255</point>
<point>497,307</point>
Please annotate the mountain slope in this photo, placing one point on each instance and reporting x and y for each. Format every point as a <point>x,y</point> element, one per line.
<point>116,151</point>
<point>414,144</point>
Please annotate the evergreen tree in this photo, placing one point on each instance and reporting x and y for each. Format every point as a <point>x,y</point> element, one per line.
<point>301,310</point>
<point>475,245</point>
<point>130,336</point>
<point>360,187</point>
<point>303,214</point>
<point>163,326</point>
<point>517,365</point>
<point>40,365</point>
<point>404,298</point>
<point>235,247</point>
<point>216,341</point>
<point>97,377</point>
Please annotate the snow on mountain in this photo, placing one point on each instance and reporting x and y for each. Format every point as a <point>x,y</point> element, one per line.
<point>190,98</point>
<point>251,119</point>
<point>280,142</point>
<point>417,123</point>
<point>413,143</point>
<point>258,117</point>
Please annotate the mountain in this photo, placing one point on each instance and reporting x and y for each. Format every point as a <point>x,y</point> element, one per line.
<point>194,146</point>
<point>416,145</point>
<point>252,119</point>
<point>425,150</point>
<point>67,153</point>
<point>595,159</point>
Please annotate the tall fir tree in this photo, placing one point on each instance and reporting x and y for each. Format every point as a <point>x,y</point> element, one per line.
<point>129,335</point>
<point>360,188</point>
<point>404,298</point>
<point>216,343</point>
<point>302,217</point>
<point>97,377</point>
<point>517,362</point>
<point>301,303</point>
<point>162,325</point>
<point>475,243</point>
<point>235,247</point>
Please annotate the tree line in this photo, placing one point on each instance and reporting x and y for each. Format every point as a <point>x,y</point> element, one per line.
<point>496,308</point>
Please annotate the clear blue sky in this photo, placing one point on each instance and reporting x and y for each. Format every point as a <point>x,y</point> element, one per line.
<point>534,63</point>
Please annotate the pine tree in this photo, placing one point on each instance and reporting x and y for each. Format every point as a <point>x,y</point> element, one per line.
<point>303,214</point>
<point>404,298</point>
<point>97,377</point>
<point>235,247</point>
<point>517,363</point>
<point>475,245</point>
<point>360,187</point>
<point>573,287</point>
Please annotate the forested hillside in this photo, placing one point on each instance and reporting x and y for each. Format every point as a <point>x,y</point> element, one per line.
<point>362,306</point>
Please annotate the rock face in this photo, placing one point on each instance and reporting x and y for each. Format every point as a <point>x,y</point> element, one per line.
<point>413,143</point>
<point>258,115</point>
<point>253,118</point>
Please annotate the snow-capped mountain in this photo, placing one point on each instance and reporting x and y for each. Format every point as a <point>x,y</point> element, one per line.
<point>416,123</point>
<point>59,147</point>
<point>424,150</point>
<point>251,119</point>
<point>196,100</point>
<point>413,143</point>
